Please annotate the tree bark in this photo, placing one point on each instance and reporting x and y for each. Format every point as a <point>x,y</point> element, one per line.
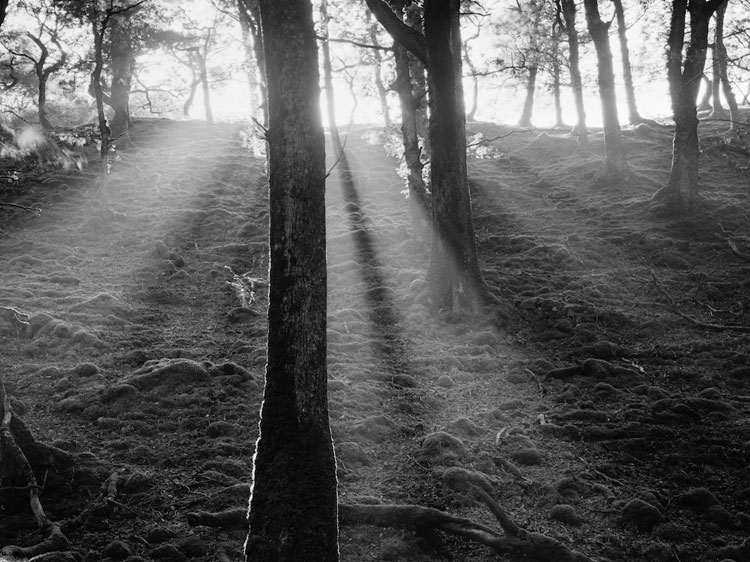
<point>681,193</point>
<point>568,8</point>
<point>634,117</point>
<point>249,11</point>
<point>293,507</point>
<point>556,94</point>
<point>720,52</point>
<point>453,274</point>
<point>615,164</point>
<point>718,111</point>
<point>3,11</point>
<point>528,102</point>
<point>123,65</point>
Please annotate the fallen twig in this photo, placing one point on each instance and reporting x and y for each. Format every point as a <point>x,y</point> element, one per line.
<point>34,210</point>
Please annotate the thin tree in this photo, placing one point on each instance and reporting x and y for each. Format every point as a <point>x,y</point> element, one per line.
<point>568,10</point>
<point>453,275</point>
<point>681,193</point>
<point>615,164</point>
<point>634,117</point>
<point>718,111</point>
<point>122,56</point>
<point>293,506</point>
<point>720,52</point>
<point>249,19</point>
<point>39,61</point>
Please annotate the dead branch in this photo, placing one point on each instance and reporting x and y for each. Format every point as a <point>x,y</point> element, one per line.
<point>672,307</point>
<point>23,207</point>
<point>483,141</point>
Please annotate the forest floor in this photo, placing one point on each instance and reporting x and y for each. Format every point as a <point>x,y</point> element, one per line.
<point>610,410</point>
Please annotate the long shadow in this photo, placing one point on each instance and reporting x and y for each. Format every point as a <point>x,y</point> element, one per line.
<point>389,346</point>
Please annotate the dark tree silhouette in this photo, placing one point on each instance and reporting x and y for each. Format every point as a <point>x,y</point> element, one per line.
<point>615,164</point>
<point>721,58</point>
<point>634,117</point>
<point>568,10</point>
<point>293,510</point>
<point>453,275</point>
<point>122,56</point>
<point>680,194</point>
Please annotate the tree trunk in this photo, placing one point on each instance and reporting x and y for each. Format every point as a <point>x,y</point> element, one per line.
<point>634,117</point>
<point>3,10</point>
<point>680,194</point>
<point>201,57</point>
<point>333,129</point>
<point>99,29</point>
<point>718,111</point>
<point>453,273</point>
<point>378,74</point>
<point>528,102</point>
<point>123,64</point>
<point>250,19</point>
<point>705,104</point>
<point>293,507</point>
<point>615,164</point>
<point>556,94</point>
<point>412,153</point>
<point>720,52</point>
<point>569,15</point>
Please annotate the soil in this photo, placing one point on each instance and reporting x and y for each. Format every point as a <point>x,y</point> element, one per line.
<point>604,403</point>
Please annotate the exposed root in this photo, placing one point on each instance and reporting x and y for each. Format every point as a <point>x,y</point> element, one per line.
<point>14,463</point>
<point>672,307</point>
<point>229,519</point>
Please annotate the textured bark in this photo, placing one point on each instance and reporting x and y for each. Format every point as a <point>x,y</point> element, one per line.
<point>615,164</point>
<point>293,511</point>
<point>123,65</point>
<point>453,273</point>
<point>720,52</point>
<point>528,102</point>
<point>680,194</point>
<point>634,117</point>
<point>568,8</point>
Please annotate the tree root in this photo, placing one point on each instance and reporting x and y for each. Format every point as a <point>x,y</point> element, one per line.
<point>513,539</point>
<point>16,446</point>
<point>672,307</point>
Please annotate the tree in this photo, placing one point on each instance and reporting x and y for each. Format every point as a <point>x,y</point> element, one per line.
<point>720,56</point>
<point>3,10</point>
<point>453,275</point>
<point>530,55</point>
<point>293,506</point>
<point>568,10</point>
<point>680,194</point>
<point>47,34</point>
<point>615,165</point>
<point>249,19</point>
<point>634,117</point>
<point>122,66</point>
